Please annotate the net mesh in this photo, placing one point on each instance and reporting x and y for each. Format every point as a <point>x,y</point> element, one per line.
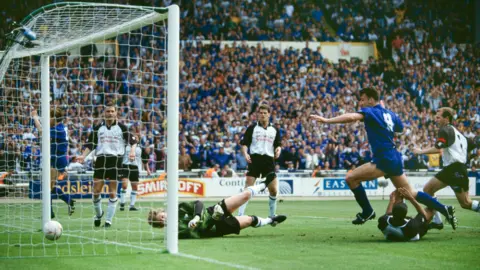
<point>127,67</point>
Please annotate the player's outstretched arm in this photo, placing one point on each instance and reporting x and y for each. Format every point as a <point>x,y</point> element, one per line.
<point>407,195</point>
<point>431,150</point>
<point>344,118</point>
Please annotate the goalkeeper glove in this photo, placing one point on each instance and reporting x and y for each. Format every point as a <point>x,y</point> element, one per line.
<point>193,223</point>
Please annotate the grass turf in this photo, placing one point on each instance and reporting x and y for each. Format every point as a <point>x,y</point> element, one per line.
<point>316,235</point>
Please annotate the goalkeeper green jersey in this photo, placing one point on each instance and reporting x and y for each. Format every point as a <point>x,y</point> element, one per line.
<point>186,212</point>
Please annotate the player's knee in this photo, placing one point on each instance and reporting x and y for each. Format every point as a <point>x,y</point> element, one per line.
<point>429,190</point>
<point>350,179</point>
<point>466,204</point>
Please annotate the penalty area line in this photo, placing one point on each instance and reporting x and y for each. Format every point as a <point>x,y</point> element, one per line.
<point>184,255</point>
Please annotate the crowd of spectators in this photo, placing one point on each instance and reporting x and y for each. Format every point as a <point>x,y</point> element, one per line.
<point>221,88</point>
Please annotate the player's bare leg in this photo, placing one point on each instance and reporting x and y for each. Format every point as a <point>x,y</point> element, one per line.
<point>250,181</point>
<point>466,202</point>
<point>112,202</point>
<point>367,171</point>
<point>426,199</point>
<point>97,201</point>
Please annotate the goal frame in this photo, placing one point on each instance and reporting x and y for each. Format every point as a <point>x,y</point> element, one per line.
<point>170,13</point>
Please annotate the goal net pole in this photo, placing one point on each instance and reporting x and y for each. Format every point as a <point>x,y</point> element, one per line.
<point>45,148</point>
<point>173,126</point>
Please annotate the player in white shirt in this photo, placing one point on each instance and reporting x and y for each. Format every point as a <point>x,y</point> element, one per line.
<point>261,145</point>
<point>454,148</point>
<point>132,164</point>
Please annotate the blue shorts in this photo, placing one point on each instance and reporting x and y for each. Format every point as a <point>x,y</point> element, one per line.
<point>59,163</point>
<point>389,162</point>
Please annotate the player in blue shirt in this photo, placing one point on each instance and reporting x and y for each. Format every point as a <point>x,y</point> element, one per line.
<point>58,152</point>
<point>381,125</point>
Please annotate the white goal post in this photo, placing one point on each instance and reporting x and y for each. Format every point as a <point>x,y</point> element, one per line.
<point>64,26</point>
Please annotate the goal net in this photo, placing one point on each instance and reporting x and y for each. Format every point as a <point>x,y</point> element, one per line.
<point>63,64</point>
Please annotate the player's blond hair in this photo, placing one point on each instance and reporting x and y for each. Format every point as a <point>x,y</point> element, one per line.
<point>152,218</point>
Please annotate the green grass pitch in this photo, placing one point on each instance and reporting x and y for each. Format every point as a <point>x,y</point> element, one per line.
<point>316,235</point>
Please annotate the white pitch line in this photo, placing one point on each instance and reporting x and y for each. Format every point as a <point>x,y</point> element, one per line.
<point>237,266</point>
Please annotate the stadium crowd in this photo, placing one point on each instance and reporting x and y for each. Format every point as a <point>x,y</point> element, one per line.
<point>222,87</point>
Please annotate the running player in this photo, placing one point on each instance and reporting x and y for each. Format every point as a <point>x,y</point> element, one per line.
<point>455,148</point>
<point>381,125</point>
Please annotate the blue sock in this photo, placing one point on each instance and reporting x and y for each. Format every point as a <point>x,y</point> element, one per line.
<point>362,200</point>
<point>430,202</point>
<point>64,197</point>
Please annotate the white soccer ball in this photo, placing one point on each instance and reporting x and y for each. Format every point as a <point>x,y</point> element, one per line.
<point>52,230</point>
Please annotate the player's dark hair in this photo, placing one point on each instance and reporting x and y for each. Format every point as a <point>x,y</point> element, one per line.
<point>264,106</point>
<point>399,211</point>
<point>447,113</point>
<point>111,105</point>
<point>370,93</point>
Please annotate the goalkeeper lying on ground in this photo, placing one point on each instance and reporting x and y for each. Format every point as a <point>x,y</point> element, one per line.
<point>197,222</point>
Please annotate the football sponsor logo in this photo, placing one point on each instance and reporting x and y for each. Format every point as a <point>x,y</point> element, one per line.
<point>159,186</point>
<point>341,184</point>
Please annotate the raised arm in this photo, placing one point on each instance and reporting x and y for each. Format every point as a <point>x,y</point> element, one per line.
<point>36,121</point>
<point>344,118</point>
<point>407,195</point>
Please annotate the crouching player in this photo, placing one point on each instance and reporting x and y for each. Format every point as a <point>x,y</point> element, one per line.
<point>196,221</point>
<point>396,226</point>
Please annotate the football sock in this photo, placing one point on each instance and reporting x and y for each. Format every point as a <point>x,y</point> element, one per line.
<point>260,222</point>
<point>362,200</point>
<point>437,218</point>
<point>122,195</point>
<point>254,190</point>
<point>475,206</point>
<point>133,197</point>
<point>241,209</point>
<point>58,191</point>
<point>112,205</point>
<point>97,205</point>
<point>430,202</point>
<point>272,205</point>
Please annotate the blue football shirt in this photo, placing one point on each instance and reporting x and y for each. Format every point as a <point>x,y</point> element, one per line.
<point>381,124</point>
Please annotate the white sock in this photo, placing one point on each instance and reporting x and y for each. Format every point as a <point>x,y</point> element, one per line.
<point>263,222</point>
<point>112,205</point>
<point>241,209</point>
<point>437,218</point>
<point>97,205</point>
<point>254,190</point>
<point>475,206</point>
<point>122,195</point>
<point>133,198</point>
<point>272,203</point>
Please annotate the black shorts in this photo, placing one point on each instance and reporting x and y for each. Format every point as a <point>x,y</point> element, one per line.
<point>261,166</point>
<point>420,224</point>
<point>130,172</point>
<point>227,225</point>
<point>107,167</point>
<point>455,175</point>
